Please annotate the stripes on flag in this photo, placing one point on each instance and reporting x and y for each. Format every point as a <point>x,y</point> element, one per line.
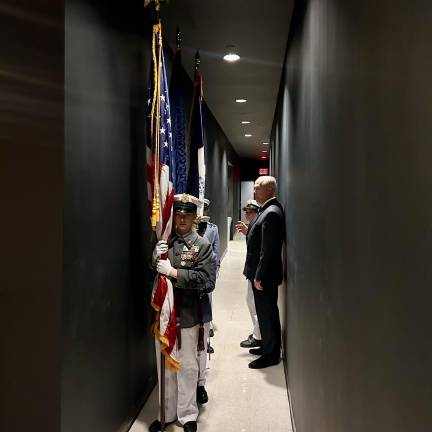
<point>160,177</point>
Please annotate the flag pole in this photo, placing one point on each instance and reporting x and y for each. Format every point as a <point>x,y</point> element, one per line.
<point>163,364</point>
<point>162,357</point>
<point>155,11</point>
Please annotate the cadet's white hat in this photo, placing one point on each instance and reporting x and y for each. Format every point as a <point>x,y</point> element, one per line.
<point>251,204</point>
<point>185,203</point>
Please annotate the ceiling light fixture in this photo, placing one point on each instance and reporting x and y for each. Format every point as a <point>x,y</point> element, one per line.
<point>264,151</point>
<point>265,143</point>
<point>231,56</point>
<point>240,100</point>
<point>248,135</point>
<point>245,122</point>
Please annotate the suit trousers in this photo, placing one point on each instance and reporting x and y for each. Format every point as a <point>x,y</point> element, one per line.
<point>202,357</point>
<point>250,300</point>
<point>180,386</point>
<point>268,318</point>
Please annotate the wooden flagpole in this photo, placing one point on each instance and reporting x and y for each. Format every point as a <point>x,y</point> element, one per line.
<point>156,198</point>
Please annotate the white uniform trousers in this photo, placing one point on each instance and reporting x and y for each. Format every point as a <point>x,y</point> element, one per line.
<point>180,386</point>
<point>252,310</point>
<point>202,357</point>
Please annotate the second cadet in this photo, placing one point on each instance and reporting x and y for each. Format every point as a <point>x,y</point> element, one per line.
<point>254,339</point>
<point>210,231</point>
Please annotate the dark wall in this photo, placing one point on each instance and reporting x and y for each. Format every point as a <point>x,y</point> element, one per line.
<point>109,361</point>
<point>108,357</point>
<point>249,168</point>
<point>351,148</point>
<point>222,178</point>
<point>31,190</point>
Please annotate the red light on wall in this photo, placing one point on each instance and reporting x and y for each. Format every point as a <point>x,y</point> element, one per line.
<point>263,171</point>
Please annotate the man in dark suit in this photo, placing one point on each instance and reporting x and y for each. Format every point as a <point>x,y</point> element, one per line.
<point>263,268</point>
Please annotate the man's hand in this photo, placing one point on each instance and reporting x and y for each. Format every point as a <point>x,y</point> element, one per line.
<point>258,285</point>
<point>164,267</point>
<point>241,227</point>
<point>160,248</point>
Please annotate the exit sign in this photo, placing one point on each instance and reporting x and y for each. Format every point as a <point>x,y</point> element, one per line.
<point>263,171</point>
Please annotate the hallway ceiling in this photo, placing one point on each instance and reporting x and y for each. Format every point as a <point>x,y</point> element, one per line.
<point>259,31</point>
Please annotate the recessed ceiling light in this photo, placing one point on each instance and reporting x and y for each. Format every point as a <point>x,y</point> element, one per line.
<point>265,143</point>
<point>263,157</point>
<point>248,135</point>
<point>231,56</point>
<point>264,151</point>
<point>245,122</point>
<point>241,100</point>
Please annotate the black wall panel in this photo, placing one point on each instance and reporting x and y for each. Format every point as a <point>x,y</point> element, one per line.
<point>351,148</point>
<point>222,177</point>
<point>108,360</point>
<point>31,219</point>
<point>249,168</point>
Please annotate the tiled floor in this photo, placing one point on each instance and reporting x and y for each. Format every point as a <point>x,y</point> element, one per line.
<point>240,399</point>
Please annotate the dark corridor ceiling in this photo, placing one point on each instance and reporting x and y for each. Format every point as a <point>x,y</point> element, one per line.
<point>259,31</point>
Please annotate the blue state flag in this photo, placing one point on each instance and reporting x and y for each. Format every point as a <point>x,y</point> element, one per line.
<point>178,117</point>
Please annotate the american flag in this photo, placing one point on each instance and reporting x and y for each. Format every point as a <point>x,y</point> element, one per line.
<point>160,175</point>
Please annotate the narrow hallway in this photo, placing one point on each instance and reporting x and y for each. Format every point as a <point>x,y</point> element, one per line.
<point>240,399</point>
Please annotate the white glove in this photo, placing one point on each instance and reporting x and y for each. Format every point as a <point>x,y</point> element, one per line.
<point>164,267</point>
<point>160,248</point>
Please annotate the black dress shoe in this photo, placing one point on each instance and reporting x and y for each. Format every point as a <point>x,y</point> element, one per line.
<point>256,351</point>
<point>190,426</point>
<point>211,333</point>
<point>202,396</point>
<point>156,426</point>
<point>210,349</point>
<point>264,362</point>
<point>251,342</point>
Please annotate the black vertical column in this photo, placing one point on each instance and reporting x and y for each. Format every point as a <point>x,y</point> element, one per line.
<point>352,136</point>
<point>108,359</point>
<point>31,217</point>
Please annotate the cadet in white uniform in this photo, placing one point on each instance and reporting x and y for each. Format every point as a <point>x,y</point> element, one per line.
<point>210,231</point>
<point>254,340</point>
<point>189,266</point>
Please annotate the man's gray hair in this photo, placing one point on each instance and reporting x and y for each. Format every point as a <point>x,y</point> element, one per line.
<point>268,182</point>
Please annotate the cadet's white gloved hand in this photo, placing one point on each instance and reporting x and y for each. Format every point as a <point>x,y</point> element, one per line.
<point>160,248</point>
<point>164,267</point>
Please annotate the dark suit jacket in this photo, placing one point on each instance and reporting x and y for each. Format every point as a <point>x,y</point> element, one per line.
<point>264,243</point>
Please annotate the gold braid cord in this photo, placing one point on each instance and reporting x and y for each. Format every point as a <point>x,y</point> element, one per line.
<point>155,121</point>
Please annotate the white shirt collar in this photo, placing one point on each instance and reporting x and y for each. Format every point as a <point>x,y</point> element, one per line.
<point>272,198</point>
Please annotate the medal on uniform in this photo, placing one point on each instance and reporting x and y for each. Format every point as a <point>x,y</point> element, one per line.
<point>188,256</point>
